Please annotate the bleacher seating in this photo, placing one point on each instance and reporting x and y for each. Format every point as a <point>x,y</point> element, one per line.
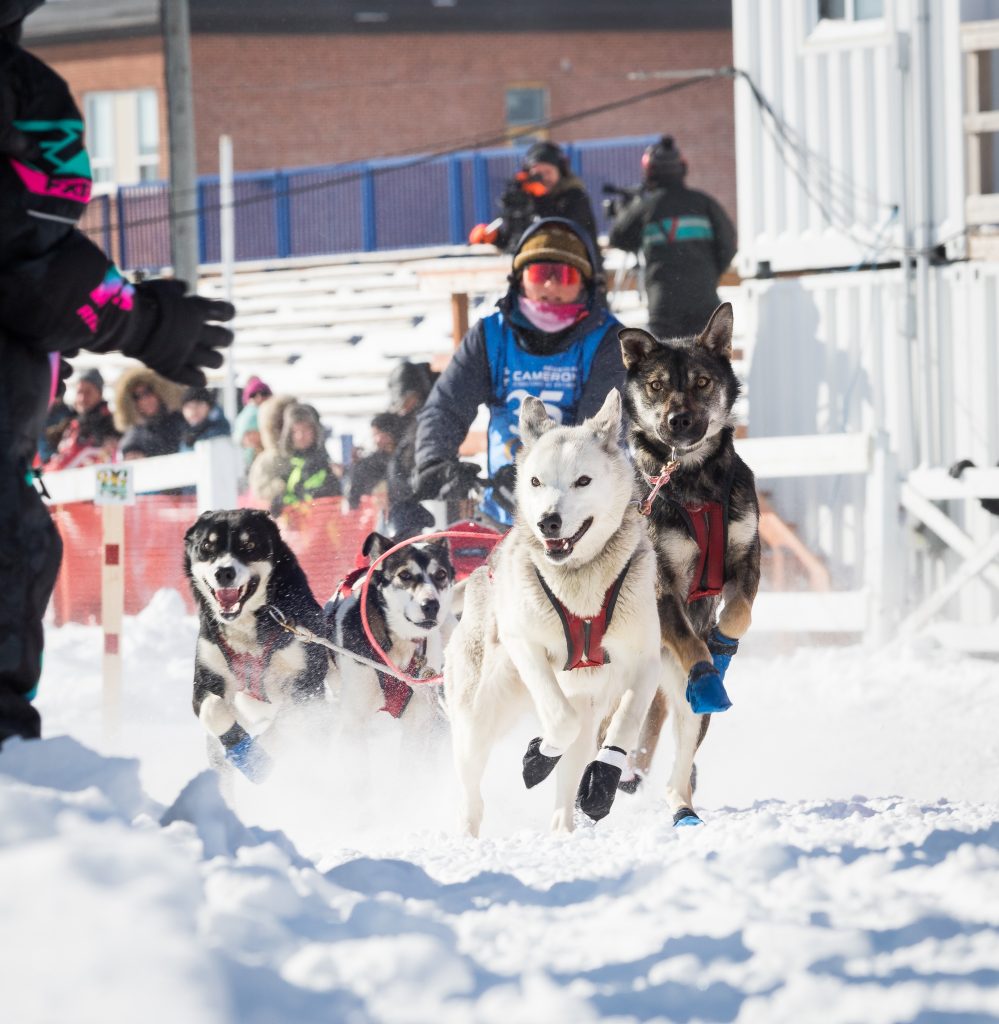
<point>329,330</point>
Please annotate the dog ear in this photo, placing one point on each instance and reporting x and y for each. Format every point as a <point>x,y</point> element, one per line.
<point>607,422</point>
<point>534,420</point>
<point>201,518</point>
<point>375,545</point>
<point>717,336</point>
<point>636,344</point>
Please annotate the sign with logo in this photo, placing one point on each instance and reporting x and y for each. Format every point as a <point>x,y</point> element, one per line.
<point>115,485</point>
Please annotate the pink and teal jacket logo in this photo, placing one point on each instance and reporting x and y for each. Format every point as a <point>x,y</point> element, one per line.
<point>64,170</point>
<point>114,290</point>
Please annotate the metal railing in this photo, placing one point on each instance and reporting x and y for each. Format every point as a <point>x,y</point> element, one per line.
<point>340,208</point>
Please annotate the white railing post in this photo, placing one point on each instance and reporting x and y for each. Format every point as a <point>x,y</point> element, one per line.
<point>217,479</point>
<point>884,559</point>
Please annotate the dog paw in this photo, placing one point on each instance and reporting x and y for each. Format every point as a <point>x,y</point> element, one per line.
<point>251,759</point>
<point>685,817</point>
<point>537,764</point>
<point>705,690</point>
<point>630,783</point>
<point>599,783</point>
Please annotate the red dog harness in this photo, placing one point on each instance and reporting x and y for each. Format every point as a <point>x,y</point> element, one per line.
<point>707,526</point>
<point>584,637</point>
<point>396,692</point>
<point>249,669</point>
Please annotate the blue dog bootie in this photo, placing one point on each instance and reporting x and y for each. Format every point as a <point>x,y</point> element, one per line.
<point>723,649</point>
<point>247,755</point>
<point>705,690</point>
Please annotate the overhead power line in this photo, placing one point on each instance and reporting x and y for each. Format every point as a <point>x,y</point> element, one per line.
<point>833,190</point>
<point>477,142</point>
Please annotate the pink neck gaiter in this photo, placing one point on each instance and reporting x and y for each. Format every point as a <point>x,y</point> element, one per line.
<point>552,319</point>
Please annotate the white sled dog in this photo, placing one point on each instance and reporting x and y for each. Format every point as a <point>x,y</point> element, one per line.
<point>562,620</point>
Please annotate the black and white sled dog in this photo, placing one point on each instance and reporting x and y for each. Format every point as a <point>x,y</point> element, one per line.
<point>409,615</point>
<point>703,521</point>
<point>562,621</point>
<point>250,674</point>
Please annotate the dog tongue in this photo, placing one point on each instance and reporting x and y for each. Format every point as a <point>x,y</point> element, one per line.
<point>228,597</point>
<point>559,544</point>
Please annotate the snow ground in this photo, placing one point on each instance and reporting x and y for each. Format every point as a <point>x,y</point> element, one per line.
<point>848,869</point>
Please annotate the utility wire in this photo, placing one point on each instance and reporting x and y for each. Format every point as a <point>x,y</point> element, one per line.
<point>426,158</point>
<point>834,194</point>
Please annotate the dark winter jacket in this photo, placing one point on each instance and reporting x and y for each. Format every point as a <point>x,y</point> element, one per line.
<point>687,240</point>
<point>567,199</point>
<point>366,475</point>
<point>159,435</point>
<point>467,382</point>
<point>213,425</point>
<point>89,437</point>
<point>49,274</point>
<point>399,473</point>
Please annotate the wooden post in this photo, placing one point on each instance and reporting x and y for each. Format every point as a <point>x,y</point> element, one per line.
<point>114,488</point>
<point>112,612</point>
<point>459,316</point>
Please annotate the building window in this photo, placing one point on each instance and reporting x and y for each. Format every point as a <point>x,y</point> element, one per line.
<point>526,106</point>
<point>851,10</point>
<point>123,136</point>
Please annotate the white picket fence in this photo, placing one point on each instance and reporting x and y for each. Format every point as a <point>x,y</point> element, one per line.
<point>212,469</point>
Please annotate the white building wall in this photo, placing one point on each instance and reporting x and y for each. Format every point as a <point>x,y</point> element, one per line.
<point>827,354</point>
<point>829,187</point>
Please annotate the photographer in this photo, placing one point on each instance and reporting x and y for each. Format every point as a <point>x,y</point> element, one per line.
<point>543,187</point>
<point>685,236</point>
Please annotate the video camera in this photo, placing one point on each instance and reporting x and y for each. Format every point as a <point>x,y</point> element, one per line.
<point>617,197</point>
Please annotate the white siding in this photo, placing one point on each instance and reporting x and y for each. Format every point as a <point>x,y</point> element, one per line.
<point>846,99</point>
<point>826,354</point>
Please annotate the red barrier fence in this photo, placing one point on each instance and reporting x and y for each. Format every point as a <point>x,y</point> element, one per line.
<point>326,540</point>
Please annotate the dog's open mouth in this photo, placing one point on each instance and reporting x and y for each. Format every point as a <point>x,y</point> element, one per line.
<point>426,624</point>
<point>231,599</point>
<point>558,549</point>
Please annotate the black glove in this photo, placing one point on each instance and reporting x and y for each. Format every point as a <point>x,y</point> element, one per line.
<point>445,479</point>
<point>172,332</point>
<point>504,487</point>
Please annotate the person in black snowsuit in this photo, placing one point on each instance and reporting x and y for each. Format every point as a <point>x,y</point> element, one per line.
<point>59,293</point>
<point>686,238</point>
<point>544,187</point>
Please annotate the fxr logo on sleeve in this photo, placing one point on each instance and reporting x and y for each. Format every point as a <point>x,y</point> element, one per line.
<point>65,170</point>
<point>113,290</point>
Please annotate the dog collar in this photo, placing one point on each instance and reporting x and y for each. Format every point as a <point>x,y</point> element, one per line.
<point>658,483</point>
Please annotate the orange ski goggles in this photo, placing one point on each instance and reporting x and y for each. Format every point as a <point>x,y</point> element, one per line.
<point>560,273</point>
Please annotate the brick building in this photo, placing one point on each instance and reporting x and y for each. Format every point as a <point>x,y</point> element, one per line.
<point>305,82</point>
